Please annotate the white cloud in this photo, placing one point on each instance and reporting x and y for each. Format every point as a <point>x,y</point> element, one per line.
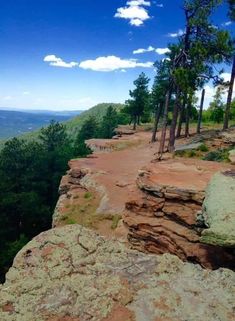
<point>162,51</point>
<point>142,50</point>
<point>112,63</point>
<point>179,33</point>
<point>159,51</point>
<point>135,12</point>
<point>26,93</point>
<point>58,62</point>
<point>211,91</point>
<point>226,76</point>
<point>227,23</point>
<point>159,5</point>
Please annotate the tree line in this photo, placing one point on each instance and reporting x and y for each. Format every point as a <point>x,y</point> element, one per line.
<point>190,64</point>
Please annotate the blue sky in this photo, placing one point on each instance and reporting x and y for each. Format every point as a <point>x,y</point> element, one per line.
<point>72,54</point>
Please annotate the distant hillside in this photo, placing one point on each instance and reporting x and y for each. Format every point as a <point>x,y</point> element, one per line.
<point>74,124</point>
<point>16,123</point>
<point>97,111</point>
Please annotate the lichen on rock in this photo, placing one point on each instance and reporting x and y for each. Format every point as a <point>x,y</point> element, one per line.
<point>72,274</point>
<point>219,210</point>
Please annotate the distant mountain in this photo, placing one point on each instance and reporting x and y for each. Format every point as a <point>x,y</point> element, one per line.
<point>16,123</point>
<point>44,111</point>
<point>72,124</point>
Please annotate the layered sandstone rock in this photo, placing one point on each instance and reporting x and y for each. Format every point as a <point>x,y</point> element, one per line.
<point>168,217</point>
<point>219,210</point>
<point>72,274</point>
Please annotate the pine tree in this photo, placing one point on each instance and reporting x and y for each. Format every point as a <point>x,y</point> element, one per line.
<point>109,123</point>
<point>88,130</point>
<point>159,89</point>
<point>139,101</point>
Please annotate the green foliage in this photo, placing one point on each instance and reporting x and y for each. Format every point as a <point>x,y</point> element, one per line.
<point>115,220</point>
<point>9,251</point>
<point>203,148</point>
<point>108,123</point>
<point>71,222</point>
<point>232,113</point>
<point>88,130</point>
<point>88,195</point>
<point>74,125</point>
<point>217,108</point>
<point>220,155</point>
<point>30,174</point>
<point>139,104</point>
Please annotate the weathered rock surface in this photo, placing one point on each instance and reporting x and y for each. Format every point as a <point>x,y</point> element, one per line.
<point>219,210</point>
<point>71,274</point>
<point>165,219</point>
<point>229,136</point>
<point>187,147</point>
<point>232,156</point>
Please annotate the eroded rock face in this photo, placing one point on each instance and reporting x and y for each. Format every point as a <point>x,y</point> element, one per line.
<point>219,210</point>
<point>72,274</point>
<point>167,217</point>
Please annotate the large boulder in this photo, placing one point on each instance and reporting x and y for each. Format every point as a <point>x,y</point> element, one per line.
<point>72,274</point>
<point>219,210</point>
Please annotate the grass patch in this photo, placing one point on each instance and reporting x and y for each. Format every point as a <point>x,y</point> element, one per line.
<point>88,195</point>
<point>219,155</point>
<point>187,153</point>
<point>71,222</point>
<point>115,220</point>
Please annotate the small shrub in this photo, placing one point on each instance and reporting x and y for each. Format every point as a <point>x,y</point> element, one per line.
<point>71,222</point>
<point>186,153</point>
<point>191,153</point>
<point>64,218</point>
<point>203,148</point>
<point>220,155</point>
<point>87,195</point>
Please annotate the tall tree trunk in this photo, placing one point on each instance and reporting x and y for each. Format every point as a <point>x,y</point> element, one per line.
<point>164,126</point>
<point>200,112</point>
<point>187,116</point>
<point>134,122</point>
<point>171,146</point>
<point>182,112</point>
<point>230,94</point>
<point>156,122</point>
<point>179,129</point>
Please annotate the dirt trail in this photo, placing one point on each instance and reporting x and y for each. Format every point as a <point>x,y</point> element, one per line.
<point>113,170</point>
<point>117,172</point>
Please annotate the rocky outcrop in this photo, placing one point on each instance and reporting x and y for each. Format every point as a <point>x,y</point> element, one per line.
<point>188,147</point>
<point>228,137</point>
<point>72,274</point>
<point>219,210</point>
<point>232,156</point>
<point>168,217</point>
<point>69,191</point>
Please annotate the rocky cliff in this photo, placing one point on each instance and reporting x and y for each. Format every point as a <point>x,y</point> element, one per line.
<point>72,274</point>
<point>167,219</point>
